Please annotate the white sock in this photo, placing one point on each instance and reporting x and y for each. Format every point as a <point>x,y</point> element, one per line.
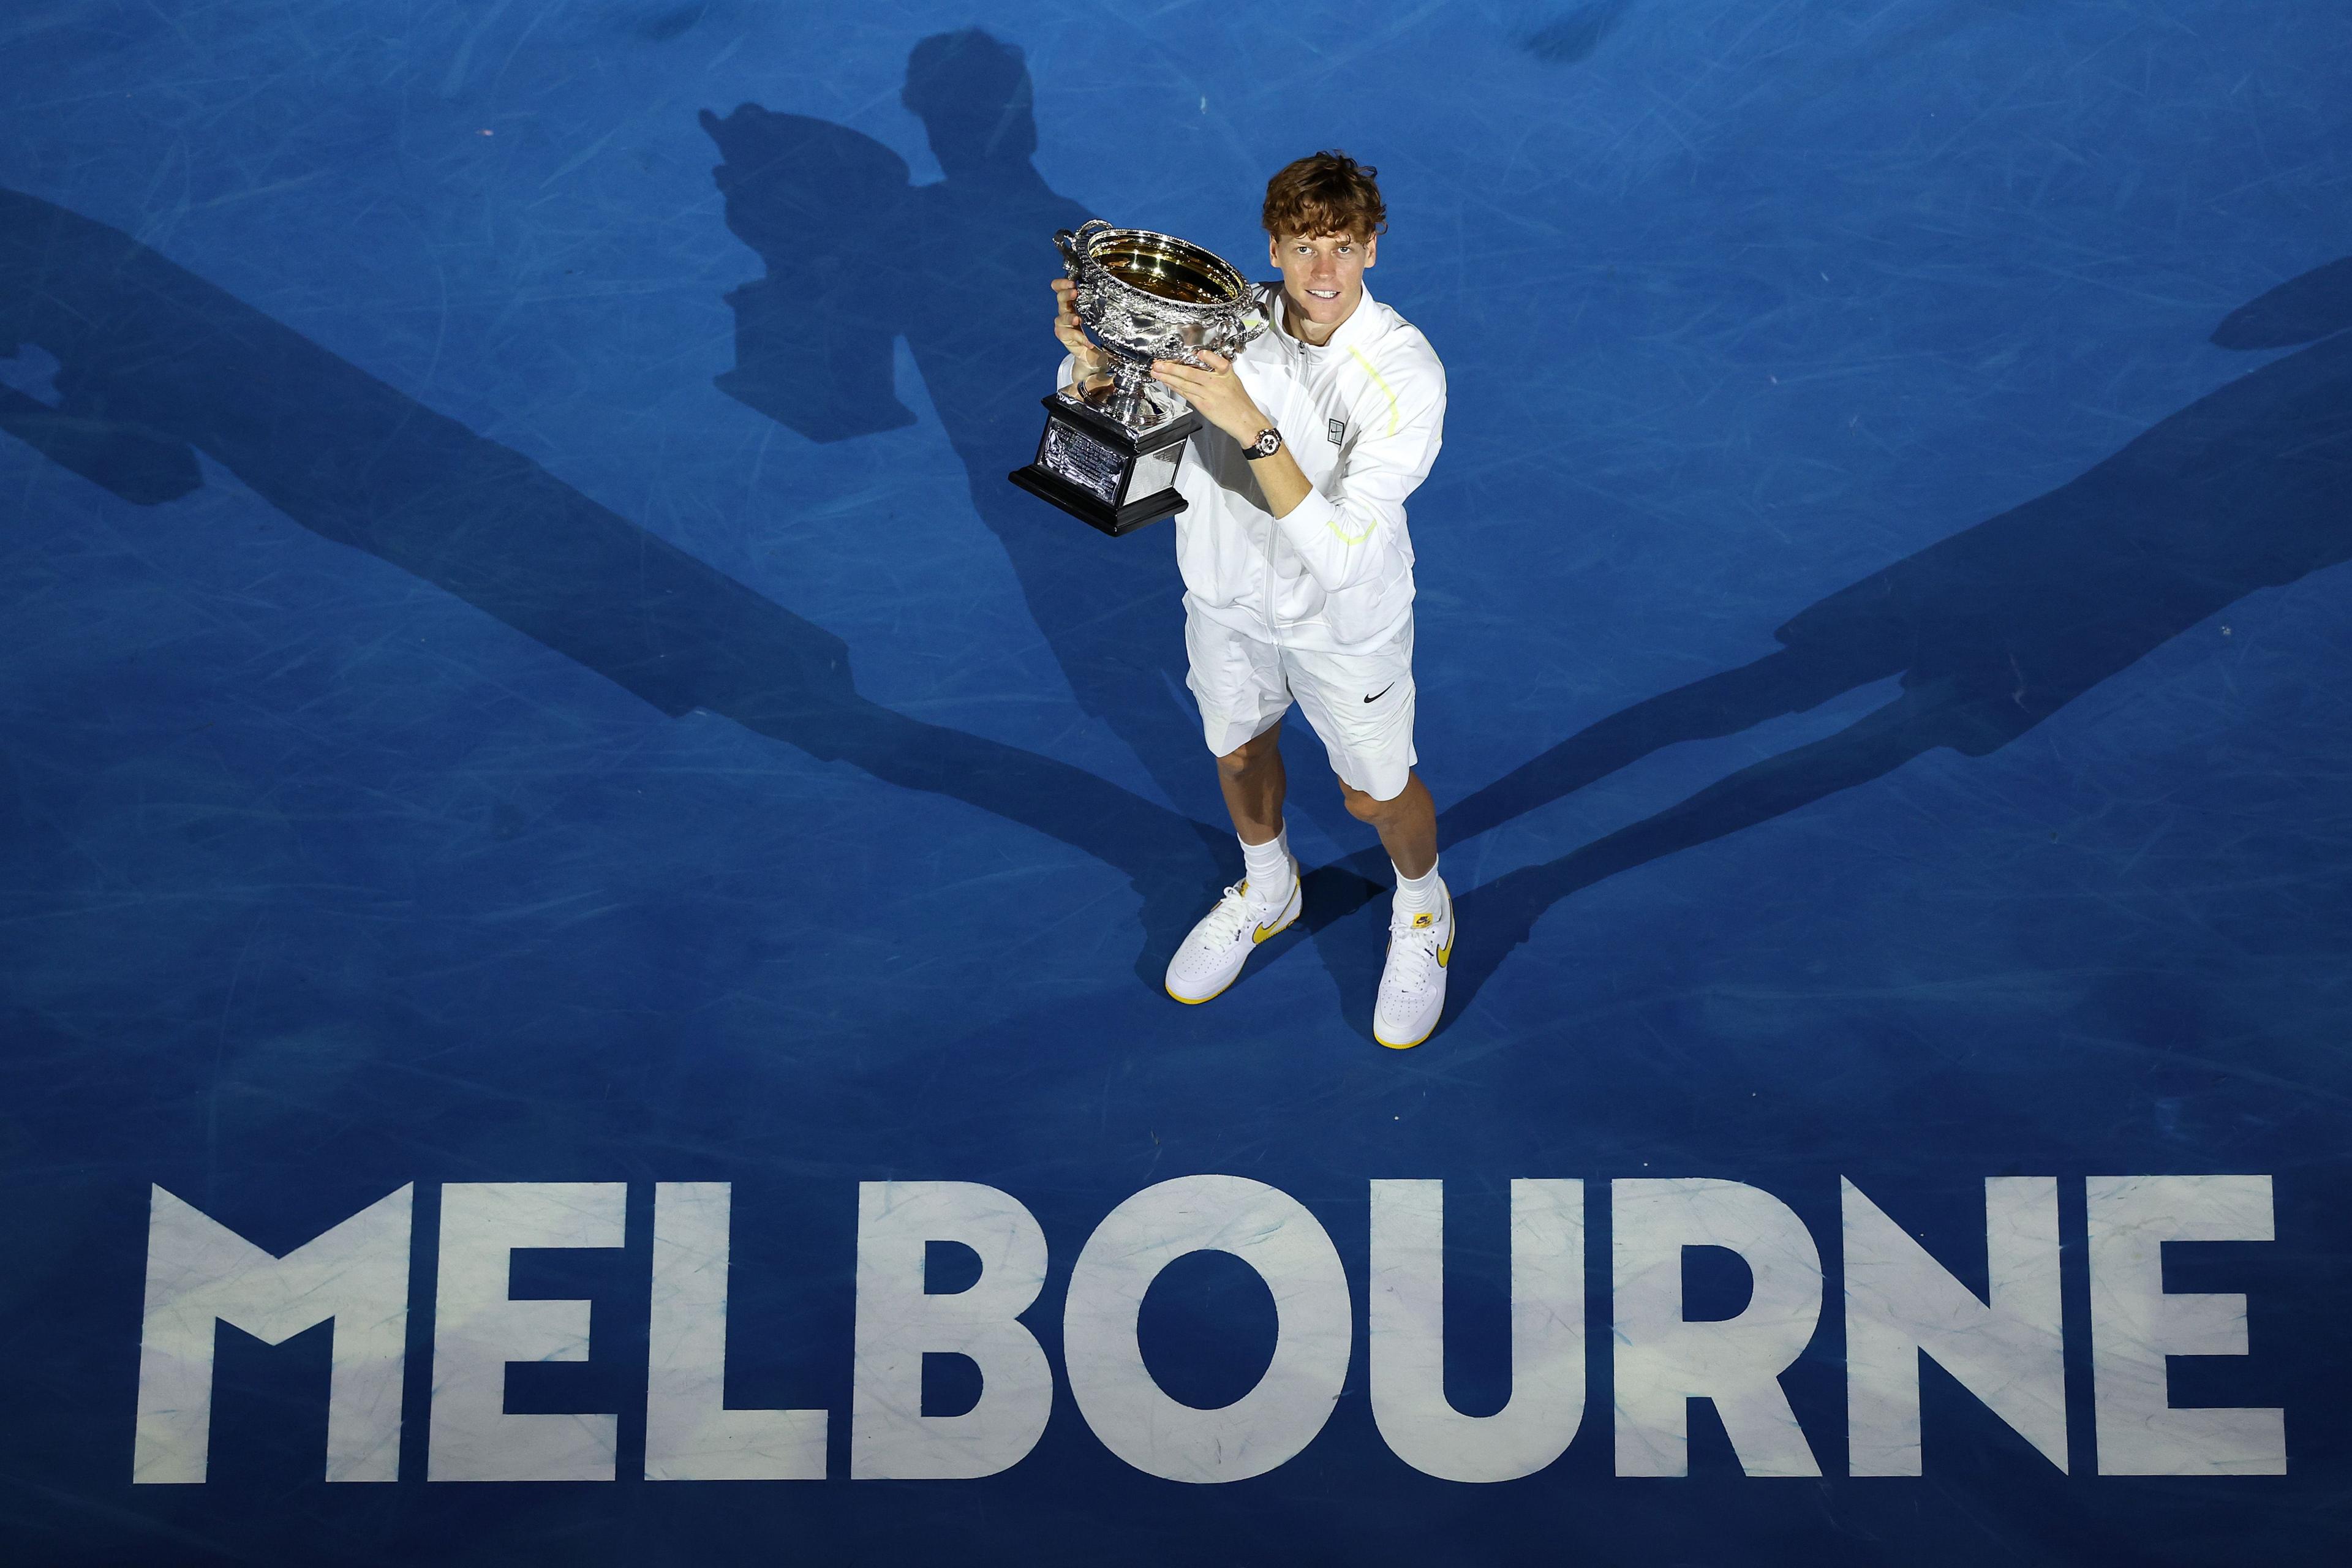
<point>1267,867</point>
<point>1417,895</point>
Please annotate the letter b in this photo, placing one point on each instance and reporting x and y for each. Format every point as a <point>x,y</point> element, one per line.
<point>891,1438</point>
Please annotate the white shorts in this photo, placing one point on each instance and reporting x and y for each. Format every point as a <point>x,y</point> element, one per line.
<point>1360,703</point>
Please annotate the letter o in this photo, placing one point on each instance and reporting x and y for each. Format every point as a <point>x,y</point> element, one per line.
<point>1314,1323</point>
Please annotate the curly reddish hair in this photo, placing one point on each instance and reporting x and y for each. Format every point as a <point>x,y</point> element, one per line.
<point>1328,193</point>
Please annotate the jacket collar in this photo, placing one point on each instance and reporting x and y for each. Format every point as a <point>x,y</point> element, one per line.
<point>1362,325</point>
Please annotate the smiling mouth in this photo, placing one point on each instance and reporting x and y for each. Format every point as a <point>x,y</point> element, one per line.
<point>1323,294</point>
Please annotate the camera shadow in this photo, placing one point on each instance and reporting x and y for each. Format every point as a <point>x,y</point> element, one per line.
<point>153,365</point>
<point>856,257</point>
<point>1991,630</point>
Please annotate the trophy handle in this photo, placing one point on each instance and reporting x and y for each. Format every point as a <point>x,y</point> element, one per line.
<point>1238,335</point>
<point>1074,247</point>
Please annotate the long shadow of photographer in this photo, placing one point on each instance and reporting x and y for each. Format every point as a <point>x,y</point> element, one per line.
<point>1993,629</point>
<point>155,365</point>
<point>856,257</point>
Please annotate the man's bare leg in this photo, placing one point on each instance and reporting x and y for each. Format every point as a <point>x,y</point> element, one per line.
<point>1407,823</point>
<point>1252,777</point>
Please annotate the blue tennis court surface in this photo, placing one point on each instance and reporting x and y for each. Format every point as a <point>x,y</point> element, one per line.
<point>559,813</point>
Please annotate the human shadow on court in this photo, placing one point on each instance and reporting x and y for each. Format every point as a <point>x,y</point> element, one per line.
<point>856,257</point>
<point>155,365</point>
<point>1993,629</point>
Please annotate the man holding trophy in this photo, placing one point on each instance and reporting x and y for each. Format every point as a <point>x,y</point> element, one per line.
<point>1290,532</point>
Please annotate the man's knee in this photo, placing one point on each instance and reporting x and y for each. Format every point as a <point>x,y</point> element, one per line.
<point>1365,808</point>
<point>1250,755</point>
<point>1406,801</point>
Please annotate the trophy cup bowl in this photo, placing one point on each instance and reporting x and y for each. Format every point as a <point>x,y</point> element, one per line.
<point>1110,449</point>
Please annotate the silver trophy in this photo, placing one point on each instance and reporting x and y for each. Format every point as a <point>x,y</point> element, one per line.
<point>1109,452</point>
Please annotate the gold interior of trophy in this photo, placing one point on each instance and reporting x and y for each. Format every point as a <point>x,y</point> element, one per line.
<point>1168,268</point>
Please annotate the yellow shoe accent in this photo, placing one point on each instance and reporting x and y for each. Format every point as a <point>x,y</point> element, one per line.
<point>1284,920</point>
<point>1279,925</point>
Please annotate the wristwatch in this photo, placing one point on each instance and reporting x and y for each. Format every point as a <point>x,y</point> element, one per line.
<point>1268,442</point>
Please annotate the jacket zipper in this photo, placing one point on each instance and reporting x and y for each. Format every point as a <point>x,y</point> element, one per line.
<point>1273,526</point>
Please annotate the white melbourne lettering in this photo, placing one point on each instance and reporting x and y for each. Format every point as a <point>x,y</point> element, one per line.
<point>1408,1333</point>
<point>1665,1362</point>
<point>898,1324</point>
<point>200,1273</point>
<point>1273,1234</point>
<point>2136,1324</point>
<point>2006,1347</point>
<point>478,1328</point>
<point>2008,1350</point>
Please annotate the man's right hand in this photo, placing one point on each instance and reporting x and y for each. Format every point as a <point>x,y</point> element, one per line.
<point>1072,335</point>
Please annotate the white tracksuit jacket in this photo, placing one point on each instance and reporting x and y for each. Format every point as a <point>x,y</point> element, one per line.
<point>1363,417</point>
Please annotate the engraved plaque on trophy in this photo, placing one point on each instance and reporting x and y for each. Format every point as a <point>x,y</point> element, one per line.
<point>1111,447</point>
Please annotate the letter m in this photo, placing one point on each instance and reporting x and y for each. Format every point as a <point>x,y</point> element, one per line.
<point>200,1272</point>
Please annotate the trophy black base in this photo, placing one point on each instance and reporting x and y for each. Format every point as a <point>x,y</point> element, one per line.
<point>1102,473</point>
<point>1046,485</point>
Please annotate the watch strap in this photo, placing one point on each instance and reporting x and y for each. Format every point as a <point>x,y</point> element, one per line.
<point>1268,442</point>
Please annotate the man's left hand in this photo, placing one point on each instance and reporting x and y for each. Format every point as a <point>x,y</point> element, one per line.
<point>1215,391</point>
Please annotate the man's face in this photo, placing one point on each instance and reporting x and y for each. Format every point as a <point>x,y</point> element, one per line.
<point>1323,277</point>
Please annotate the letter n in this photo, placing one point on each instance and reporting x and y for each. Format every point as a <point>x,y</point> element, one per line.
<point>2008,1350</point>
<point>200,1272</point>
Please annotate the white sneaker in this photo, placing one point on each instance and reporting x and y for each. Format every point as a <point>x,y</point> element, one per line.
<point>1207,960</point>
<point>1412,983</point>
